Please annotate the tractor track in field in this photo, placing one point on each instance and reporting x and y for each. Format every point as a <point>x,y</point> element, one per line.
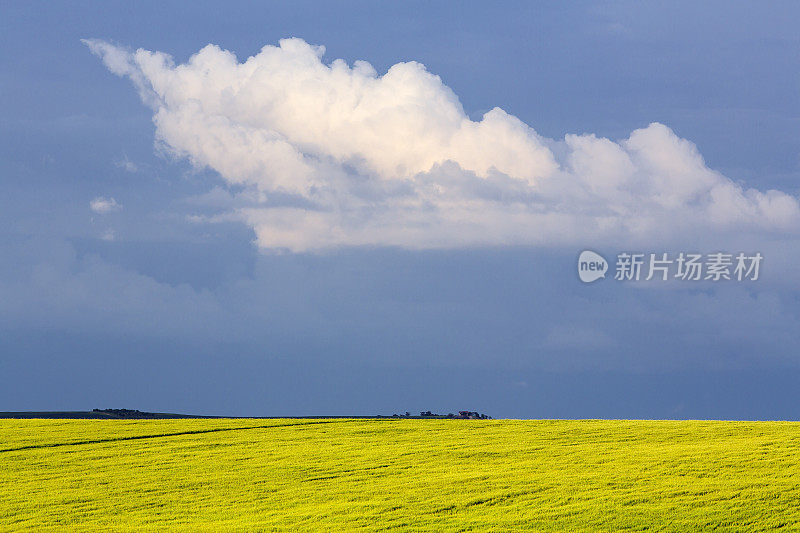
<point>163,435</point>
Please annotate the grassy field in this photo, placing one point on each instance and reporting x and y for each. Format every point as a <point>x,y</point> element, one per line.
<point>434,475</point>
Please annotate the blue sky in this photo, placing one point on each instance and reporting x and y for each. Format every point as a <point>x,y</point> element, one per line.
<point>170,299</point>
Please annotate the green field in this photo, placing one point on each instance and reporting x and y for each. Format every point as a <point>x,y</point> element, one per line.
<point>433,475</point>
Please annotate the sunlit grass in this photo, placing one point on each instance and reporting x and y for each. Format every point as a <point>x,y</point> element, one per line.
<point>408,474</point>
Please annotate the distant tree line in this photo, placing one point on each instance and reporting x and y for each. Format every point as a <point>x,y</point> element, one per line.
<point>471,415</point>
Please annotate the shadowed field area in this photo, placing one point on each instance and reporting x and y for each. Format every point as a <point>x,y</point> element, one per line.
<point>290,474</point>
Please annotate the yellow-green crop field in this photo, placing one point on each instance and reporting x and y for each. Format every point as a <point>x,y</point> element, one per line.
<point>431,475</point>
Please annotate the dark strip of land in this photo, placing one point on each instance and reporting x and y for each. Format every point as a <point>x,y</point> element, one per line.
<point>102,415</point>
<point>141,415</point>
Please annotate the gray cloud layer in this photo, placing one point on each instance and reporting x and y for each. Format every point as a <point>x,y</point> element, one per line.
<point>515,307</point>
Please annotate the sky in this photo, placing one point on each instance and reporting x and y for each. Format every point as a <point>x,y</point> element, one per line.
<point>305,208</point>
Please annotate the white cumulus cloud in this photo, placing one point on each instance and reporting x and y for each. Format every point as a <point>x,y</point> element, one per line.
<point>102,205</point>
<point>337,155</point>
